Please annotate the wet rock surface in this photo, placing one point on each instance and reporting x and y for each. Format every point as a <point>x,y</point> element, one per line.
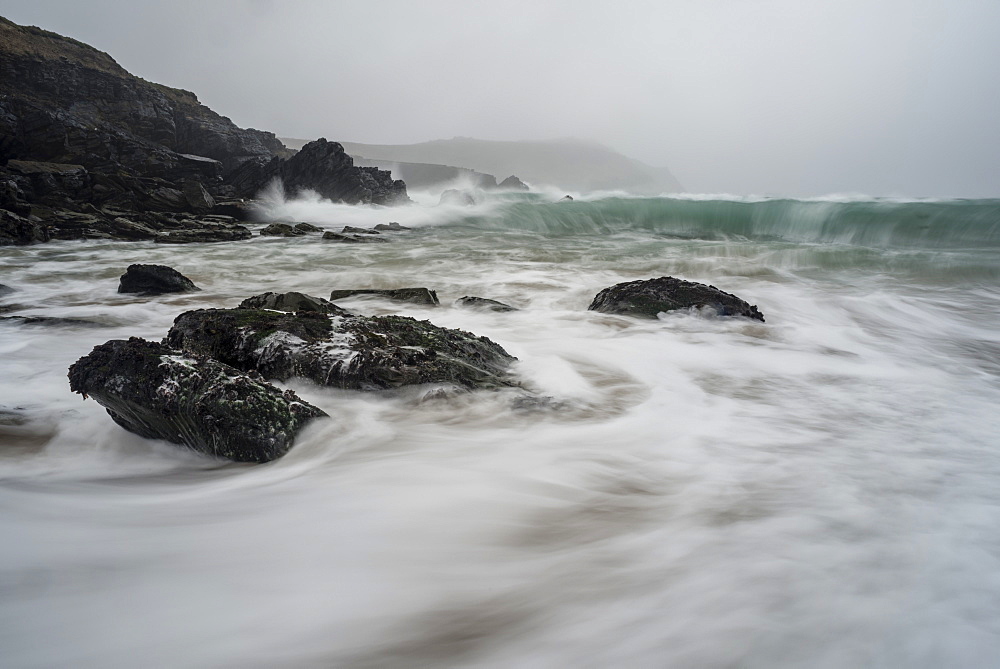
<point>282,230</point>
<point>352,239</point>
<point>159,393</point>
<point>49,321</point>
<point>154,280</point>
<point>17,230</point>
<point>292,301</point>
<point>483,303</point>
<point>649,297</point>
<point>391,226</point>
<point>513,183</point>
<point>414,295</point>
<point>307,227</point>
<point>363,353</point>
<point>350,229</point>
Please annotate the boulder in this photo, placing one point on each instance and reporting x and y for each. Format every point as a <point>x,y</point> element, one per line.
<point>307,227</point>
<point>325,168</point>
<point>649,297</point>
<point>154,280</point>
<point>513,183</point>
<point>18,231</point>
<point>292,302</point>
<point>352,239</point>
<point>457,197</point>
<point>358,352</point>
<point>281,230</point>
<point>414,295</point>
<point>483,303</point>
<point>160,393</point>
<point>390,226</point>
<point>350,229</point>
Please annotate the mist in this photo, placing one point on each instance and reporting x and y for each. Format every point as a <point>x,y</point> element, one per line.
<point>772,97</point>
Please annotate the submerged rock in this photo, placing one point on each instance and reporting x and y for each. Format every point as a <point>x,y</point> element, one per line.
<point>292,301</point>
<point>650,297</point>
<point>457,197</point>
<point>352,239</point>
<point>390,226</point>
<point>414,295</point>
<point>282,230</point>
<point>5,290</point>
<point>154,280</point>
<point>348,229</point>
<point>158,393</point>
<point>483,303</point>
<point>344,352</point>
<point>50,321</point>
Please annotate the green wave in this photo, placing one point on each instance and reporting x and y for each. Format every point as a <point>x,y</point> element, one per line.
<point>947,224</point>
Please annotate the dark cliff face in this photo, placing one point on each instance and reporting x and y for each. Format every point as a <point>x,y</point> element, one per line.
<point>68,106</point>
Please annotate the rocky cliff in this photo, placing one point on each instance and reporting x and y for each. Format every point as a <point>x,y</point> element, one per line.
<point>79,133</point>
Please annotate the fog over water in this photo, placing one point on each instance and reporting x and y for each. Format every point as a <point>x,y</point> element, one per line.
<point>767,97</point>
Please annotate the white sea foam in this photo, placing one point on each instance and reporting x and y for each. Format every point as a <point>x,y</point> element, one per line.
<point>819,490</point>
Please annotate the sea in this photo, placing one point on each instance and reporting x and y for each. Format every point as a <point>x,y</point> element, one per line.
<point>819,490</point>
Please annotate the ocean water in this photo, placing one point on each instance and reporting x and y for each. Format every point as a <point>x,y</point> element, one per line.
<point>820,490</point>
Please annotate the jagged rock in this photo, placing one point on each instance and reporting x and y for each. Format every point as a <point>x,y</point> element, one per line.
<point>292,302</point>
<point>154,280</point>
<point>391,225</point>
<point>414,295</point>
<point>483,303</point>
<point>650,297</point>
<point>344,352</point>
<point>360,231</point>
<point>159,393</point>
<point>352,239</point>
<point>513,183</point>
<point>281,230</point>
<point>308,227</point>
<point>456,197</point>
<point>566,198</point>
<point>198,199</point>
<point>17,231</point>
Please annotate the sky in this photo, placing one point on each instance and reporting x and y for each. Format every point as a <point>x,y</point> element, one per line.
<point>769,97</point>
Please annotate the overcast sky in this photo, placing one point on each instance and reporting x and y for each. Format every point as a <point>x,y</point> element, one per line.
<point>796,97</point>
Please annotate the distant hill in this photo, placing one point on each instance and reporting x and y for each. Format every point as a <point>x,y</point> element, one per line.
<point>569,164</point>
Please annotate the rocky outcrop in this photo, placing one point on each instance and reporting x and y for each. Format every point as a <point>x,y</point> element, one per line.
<point>281,230</point>
<point>159,393</point>
<point>78,131</point>
<point>350,229</point>
<point>344,352</point>
<point>154,280</point>
<point>483,303</point>
<point>414,295</point>
<point>17,231</point>
<point>292,301</point>
<point>650,297</point>
<point>513,183</point>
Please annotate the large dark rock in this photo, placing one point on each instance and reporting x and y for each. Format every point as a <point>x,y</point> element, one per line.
<point>154,280</point>
<point>344,352</point>
<point>324,167</point>
<point>17,231</point>
<point>159,393</point>
<point>281,230</point>
<point>391,226</point>
<point>650,297</point>
<point>292,301</point>
<point>414,295</point>
<point>331,236</point>
<point>350,229</point>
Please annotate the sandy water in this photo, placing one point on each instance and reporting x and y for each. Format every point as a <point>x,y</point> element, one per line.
<point>820,490</point>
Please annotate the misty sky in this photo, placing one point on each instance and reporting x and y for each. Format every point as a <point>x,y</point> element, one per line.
<point>773,97</point>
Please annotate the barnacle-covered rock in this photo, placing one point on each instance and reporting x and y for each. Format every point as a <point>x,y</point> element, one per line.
<point>160,393</point>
